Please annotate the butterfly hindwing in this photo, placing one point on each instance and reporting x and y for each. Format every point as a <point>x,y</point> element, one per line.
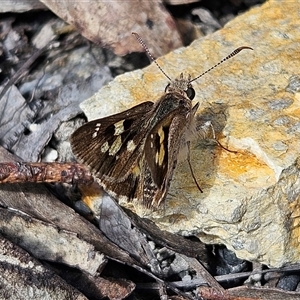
<point>161,150</point>
<point>172,115</point>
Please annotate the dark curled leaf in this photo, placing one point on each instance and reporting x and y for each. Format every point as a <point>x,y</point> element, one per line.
<point>119,229</point>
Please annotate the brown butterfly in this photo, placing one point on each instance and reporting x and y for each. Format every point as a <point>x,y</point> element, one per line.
<point>133,154</point>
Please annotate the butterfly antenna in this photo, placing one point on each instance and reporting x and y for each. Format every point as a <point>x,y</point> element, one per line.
<point>143,44</point>
<point>235,52</point>
<point>190,166</point>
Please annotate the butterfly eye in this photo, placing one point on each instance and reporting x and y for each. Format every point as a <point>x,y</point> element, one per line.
<point>168,85</point>
<point>190,92</point>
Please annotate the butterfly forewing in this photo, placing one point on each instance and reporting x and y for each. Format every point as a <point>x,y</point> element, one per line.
<point>111,146</point>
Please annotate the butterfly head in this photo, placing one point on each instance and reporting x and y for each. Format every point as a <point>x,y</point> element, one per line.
<point>182,86</point>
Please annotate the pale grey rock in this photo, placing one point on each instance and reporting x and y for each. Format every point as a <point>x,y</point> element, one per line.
<point>251,198</point>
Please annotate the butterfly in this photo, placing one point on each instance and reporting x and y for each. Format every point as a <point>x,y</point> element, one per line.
<point>133,154</point>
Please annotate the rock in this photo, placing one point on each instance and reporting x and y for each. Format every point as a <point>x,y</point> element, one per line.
<point>251,198</point>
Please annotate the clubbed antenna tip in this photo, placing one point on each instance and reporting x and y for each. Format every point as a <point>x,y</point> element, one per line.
<point>233,53</point>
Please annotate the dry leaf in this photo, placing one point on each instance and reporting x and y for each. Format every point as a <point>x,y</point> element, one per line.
<point>110,24</point>
<point>36,201</point>
<point>180,2</point>
<point>23,277</point>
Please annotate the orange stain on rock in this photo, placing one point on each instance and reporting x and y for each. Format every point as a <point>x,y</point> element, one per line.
<point>241,163</point>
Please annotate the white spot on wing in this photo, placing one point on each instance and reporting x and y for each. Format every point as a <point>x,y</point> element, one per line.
<point>116,145</point>
<point>131,146</point>
<point>97,128</point>
<point>119,127</point>
<point>104,147</point>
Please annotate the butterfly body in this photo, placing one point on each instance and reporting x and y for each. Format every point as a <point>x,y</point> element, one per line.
<point>133,154</point>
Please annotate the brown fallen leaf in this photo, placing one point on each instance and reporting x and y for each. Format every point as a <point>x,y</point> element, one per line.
<point>180,2</point>
<point>110,23</point>
<point>253,293</point>
<point>96,287</point>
